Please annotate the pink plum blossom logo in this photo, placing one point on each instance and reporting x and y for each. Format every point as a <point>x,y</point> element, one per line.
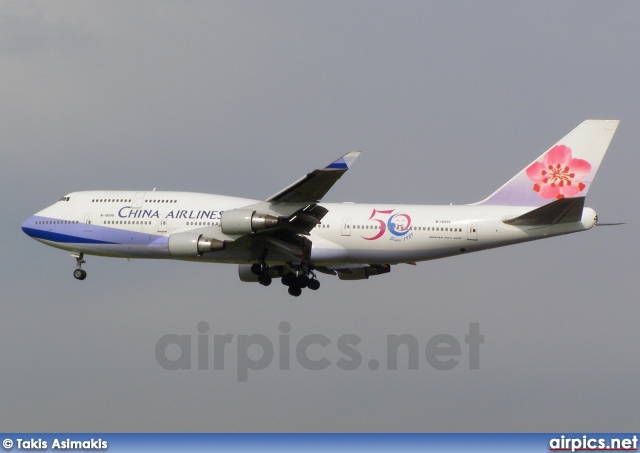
<point>559,175</point>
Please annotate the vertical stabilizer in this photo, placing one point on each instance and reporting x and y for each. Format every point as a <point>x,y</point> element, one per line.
<point>566,170</point>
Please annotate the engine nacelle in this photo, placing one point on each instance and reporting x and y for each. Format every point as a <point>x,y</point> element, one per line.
<point>363,273</point>
<point>193,244</point>
<point>246,221</point>
<point>245,274</point>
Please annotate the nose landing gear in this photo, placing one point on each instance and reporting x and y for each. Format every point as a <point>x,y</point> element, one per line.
<point>79,273</point>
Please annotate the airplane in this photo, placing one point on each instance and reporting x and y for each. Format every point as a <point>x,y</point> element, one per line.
<point>293,234</point>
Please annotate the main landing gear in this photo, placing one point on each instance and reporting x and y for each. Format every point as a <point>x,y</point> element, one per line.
<point>299,279</point>
<point>79,273</point>
<point>294,276</point>
<point>262,270</point>
<point>296,279</point>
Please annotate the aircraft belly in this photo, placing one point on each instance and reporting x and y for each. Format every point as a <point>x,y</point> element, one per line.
<point>400,256</point>
<point>325,252</point>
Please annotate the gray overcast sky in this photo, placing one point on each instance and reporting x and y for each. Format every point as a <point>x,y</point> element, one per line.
<point>447,100</point>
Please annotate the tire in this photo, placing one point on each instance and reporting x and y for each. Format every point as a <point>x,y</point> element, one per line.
<point>295,291</point>
<point>288,279</point>
<point>264,280</point>
<point>302,280</point>
<point>80,274</point>
<point>313,285</point>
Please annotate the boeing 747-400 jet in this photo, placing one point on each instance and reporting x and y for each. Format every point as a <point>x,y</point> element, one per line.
<point>292,235</point>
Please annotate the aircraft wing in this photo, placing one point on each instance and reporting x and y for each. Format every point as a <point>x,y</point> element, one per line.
<point>313,186</point>
<point>295,209</point>
<point>284,220</point>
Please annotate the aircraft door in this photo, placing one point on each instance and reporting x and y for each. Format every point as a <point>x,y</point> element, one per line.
<point>472,231</point>
<point>162,225</point>
<point>88,219</point>
<point>138,198</point>
<point>346,227</point>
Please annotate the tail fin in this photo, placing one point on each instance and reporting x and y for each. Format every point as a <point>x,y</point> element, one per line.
<point>566,169</point>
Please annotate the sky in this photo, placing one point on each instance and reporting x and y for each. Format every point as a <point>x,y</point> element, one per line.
<point>446,101</point>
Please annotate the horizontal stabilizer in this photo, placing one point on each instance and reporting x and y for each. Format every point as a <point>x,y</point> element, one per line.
<point>565,210</point>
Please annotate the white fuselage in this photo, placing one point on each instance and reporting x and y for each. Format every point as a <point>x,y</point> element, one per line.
<point>138,224</point>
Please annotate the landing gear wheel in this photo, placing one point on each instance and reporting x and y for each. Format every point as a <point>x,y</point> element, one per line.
<point>288,279</point>
<point>79,274</point>
<point>295,291</point>
<point>313,284</point>
<point>264,279</point>
<point>302,280</point>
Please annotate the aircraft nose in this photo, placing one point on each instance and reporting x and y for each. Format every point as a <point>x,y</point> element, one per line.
<point>27,226</point>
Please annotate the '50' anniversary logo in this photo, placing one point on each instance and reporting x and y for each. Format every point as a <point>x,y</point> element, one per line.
<point>397,224</point>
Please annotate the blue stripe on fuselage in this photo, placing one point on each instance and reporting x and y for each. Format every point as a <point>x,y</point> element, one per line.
<point>75,234</point>
<point>61,237</point>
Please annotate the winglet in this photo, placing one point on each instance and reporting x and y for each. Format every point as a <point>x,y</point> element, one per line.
<point>345,162</point>
<point>313,186</point>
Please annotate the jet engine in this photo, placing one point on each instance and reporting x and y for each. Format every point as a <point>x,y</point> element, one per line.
<point>246,221</point>
<point>193,244</point>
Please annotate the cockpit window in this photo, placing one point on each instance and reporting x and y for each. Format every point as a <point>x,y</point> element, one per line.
<point>65,199</point>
